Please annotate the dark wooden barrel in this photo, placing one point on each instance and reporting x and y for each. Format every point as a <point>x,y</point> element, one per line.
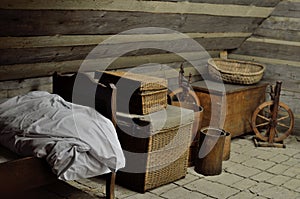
<point>191,102</point>
<point>210,155</point>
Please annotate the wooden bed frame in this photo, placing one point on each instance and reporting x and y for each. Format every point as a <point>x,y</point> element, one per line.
<point>19,174</point>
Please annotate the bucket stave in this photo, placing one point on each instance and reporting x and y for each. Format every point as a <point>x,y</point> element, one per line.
<point>210,155</point>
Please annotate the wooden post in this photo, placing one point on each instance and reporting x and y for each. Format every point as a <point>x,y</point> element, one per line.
<point>223,54</point>
<point>110,185</point>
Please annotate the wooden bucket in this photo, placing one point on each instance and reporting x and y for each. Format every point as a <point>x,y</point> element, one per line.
<point>227,144</point>
<point>194,147</point>
<point>211,147</point>
<point>198,114</point>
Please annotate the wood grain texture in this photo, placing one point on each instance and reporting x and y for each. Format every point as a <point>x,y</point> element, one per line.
<point>83,40</point>
<point>289,35</point>
<point>281,23</point>
<point>270,50</point>
<point>25,83</point>
<point>274,41</point>
<point>40,55</point>
<point>23,174</point>
<point>265,60</point>
<point>20,71</point>
<point>141,6</point>
<point>68,53</point>
<point>21,91</point>
<point>287,9</point>
<point>100,22</point>
<point>276,44</point>
<point>290,75</point>
<point>236,108</point>
<point>263,3</point>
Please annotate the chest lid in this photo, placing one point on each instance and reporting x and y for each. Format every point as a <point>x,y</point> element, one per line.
<point>143,82</point>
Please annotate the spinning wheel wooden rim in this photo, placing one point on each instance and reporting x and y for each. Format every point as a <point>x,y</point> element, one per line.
<point>190,93</point>
<point>267,122</point>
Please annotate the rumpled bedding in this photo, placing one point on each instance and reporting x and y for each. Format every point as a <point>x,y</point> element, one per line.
<point>77,141</point>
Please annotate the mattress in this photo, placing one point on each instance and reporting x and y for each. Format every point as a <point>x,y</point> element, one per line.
<point>77,141</point>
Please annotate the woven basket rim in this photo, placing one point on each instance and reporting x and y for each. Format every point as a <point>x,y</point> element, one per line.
<point>211,63</point>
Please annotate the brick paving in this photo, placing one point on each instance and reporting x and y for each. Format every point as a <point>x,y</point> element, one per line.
<point>251,172</point>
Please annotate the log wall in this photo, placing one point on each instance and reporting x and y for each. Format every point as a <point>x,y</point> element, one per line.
<point>42,37</point>
<point>276,43</point>
<point>39,37</point>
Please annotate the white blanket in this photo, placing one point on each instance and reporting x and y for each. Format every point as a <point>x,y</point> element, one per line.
<point>76,141</point>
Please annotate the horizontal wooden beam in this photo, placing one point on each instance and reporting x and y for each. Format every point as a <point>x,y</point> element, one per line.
<point>264,3</point>
<point>281,23</point>
<point>291,1</point>
<point>273,49</point>
<point>167,72</point>
<point>287,9</point>
<point>273,41</point>
<point>18,84</point>
<point>10,56</point>
<point>76,22</point>
<point>24,174</point>
<point>15,92</point>
<point>140,6</point>
<point>80,40</point>
<point>288,35</point>
<point>170,71</point>
<point>291,90</point>
<point>20,71</point>
<point>264,60</point>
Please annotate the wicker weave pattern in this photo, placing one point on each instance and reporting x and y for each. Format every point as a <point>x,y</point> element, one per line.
<point>149,93</point>
<point>170,173</point>
<point>165,147</point>
<point>234,71</point>
<point>146,82</point>
<point>168,156</point>
<point>153,101</point>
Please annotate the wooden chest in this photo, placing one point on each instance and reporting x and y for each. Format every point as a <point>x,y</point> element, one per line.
<point>136,93</point>
<point>156,147</point>
<point>234,105</point>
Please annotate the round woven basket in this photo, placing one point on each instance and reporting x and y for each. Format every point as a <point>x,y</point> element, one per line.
<point>235,71</point>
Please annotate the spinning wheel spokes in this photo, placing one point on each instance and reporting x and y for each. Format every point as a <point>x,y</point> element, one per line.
<point>263,117</point>
<point>283,125</point>
<point>268,129</point>
<point>285,117</point>
<point>262,124</point>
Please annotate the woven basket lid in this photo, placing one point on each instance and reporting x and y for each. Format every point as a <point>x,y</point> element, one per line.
<point>145,82</point>
<point>171,117</point>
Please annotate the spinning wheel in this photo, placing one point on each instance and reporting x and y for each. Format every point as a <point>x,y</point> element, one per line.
<point>184,95</point>
<point>273,121</point>
<point>264,125</point>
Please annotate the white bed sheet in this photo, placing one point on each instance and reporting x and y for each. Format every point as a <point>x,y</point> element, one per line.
<point>77,141</point>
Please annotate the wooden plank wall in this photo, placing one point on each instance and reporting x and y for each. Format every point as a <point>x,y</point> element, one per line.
<point>39,37</point>
<point>276,43</point>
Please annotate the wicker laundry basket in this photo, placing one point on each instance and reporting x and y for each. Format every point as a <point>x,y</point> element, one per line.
<point>156,147</point>
<point>235,71</point>
<point>136,93</point>
<point>190,102</point>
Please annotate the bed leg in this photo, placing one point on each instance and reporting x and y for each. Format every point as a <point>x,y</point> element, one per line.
<point>110,185</point>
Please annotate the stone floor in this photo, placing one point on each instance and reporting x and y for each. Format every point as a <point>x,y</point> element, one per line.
<point>251,172</point>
